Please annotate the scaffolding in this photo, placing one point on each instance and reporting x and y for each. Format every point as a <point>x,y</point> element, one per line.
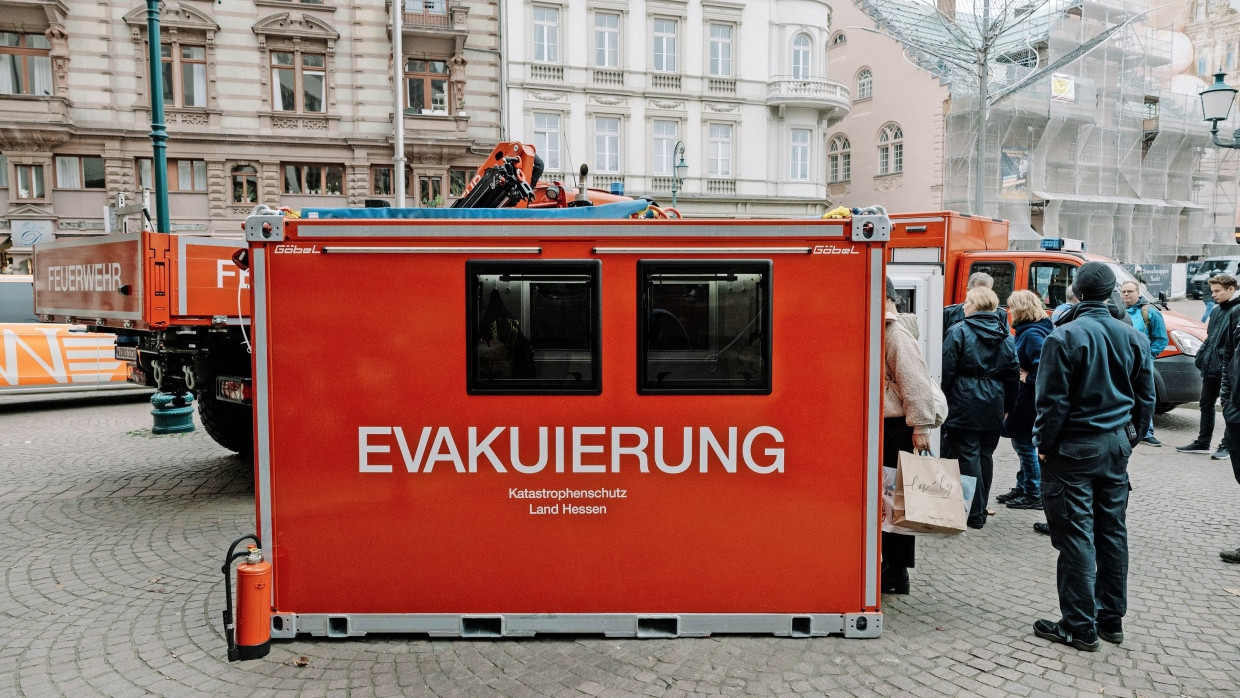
<point>1098,151</point>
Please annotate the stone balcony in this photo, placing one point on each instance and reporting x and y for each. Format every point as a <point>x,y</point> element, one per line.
<point>832,99</point>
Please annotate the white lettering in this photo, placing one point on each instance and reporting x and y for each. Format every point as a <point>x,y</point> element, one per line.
<point>728,459</point>
<point>686,457</point>
<point>443,437</point>
<point>515,452</point>
<point>777,464</point>
<point>580,448</point>
<point>617,450</point>
<point>72,278</point>
<point>364,447</point>
<point>477,448</point>
<point>594,449</point>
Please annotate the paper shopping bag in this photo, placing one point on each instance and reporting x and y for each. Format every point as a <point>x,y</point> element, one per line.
<point>927,495</point>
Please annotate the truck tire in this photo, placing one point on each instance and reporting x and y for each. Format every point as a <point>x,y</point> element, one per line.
<point>230,424</point>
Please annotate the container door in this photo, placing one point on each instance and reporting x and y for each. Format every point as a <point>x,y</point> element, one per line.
<point>920,287</point>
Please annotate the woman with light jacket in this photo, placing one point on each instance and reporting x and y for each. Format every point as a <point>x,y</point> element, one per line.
<point>908,413</point>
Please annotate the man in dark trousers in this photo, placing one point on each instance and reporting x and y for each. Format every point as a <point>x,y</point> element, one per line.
<point>1095,395</point>
<point>1211,360</point>
<point>1231,411</point>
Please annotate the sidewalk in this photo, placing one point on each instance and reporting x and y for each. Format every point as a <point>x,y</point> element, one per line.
<point>112,588</point>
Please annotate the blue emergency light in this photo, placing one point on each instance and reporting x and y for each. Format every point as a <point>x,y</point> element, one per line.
<point>1063,244</point>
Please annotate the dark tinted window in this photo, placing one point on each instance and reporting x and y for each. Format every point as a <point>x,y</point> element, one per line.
<point>1004,274</point>
<point>1051,280</point>
<point>704,327</point>
<point>533,327</point>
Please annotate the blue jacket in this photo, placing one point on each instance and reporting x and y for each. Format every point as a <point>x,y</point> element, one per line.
<point>1096,374</point>
<point>1029,339</point>
<point>1156,333</point>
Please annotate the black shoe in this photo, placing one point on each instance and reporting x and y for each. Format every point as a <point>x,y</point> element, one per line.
<point>1050,630</point>
<point>1194,447</point>
<point>977,525</point>
<point>1151,441</point>
<point>1009,495</point>
<point>1043,528</point>
<point>1025,503</point>
<point>895,582</point>
<point>1112,632</point>
<point>1230,555</point>
<point>1221,454</point>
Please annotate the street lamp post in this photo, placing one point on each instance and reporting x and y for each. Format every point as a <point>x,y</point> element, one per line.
<point>1216,101</point>
<point>159,136</point>
<point>680,169</point>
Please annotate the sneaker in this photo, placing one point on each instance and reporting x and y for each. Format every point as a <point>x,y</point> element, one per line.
<point>1151,441</point>
<point>1111,632</point>
<point>1009,495</point>
<point>1050,630</point>
<point>1194,447</point>
<point>1230,555</point>
<point>1025,502</point>
<point>1043,528</point>
<point>1221,454</point>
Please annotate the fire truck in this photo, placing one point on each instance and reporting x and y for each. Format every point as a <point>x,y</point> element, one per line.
<point>179,305</point>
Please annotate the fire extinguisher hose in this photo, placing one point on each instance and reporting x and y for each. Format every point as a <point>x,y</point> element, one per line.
<point>233,653</point>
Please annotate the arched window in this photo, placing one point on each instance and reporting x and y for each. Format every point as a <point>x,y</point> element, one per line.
<point>890,150</point>
<point>865,83</point>
<point>839,158</point>
<point>838,38</point>
<point>244,184</point>
<point>801,57</point>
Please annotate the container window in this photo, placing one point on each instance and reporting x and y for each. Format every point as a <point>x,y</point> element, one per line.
<point>533,327</point>
<point>704,327</point>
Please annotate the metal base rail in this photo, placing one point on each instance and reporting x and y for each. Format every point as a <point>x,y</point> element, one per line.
<point>655,625</point>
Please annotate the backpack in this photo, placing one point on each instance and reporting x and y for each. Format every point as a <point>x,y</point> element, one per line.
<point>1145,316</point>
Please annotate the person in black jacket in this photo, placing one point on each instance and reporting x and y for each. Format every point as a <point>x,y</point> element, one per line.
<point>955,313</point>
<point>1095,394</point>
<point>980,376</point>
<point>1231,411</point>
<point>1211,361</point>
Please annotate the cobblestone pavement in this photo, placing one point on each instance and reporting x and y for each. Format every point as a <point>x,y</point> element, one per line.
<point>112,587</point>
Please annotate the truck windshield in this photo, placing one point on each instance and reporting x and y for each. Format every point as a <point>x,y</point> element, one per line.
<point>1122,276</point>
<point>1212,265</point>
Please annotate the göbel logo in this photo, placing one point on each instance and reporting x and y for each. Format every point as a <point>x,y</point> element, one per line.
<point>832,249</point>
<point>296,249</point>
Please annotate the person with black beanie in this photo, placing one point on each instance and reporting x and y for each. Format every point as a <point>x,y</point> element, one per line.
<point>1095,395</point>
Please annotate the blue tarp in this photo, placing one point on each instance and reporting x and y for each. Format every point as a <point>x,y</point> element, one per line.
<point>622,209</point>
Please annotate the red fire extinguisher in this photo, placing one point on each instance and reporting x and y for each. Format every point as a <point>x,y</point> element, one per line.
<point>250,638</point>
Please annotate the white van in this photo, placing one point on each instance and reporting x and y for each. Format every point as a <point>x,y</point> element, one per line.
<point>1199,286</point>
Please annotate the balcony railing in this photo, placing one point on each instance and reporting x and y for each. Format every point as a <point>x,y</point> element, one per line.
<point>605,76</point>
<point>814,93</point>
<point>435,15</point>
<point>427,20</point>
<point>546,73</point>
<point>721,85</point>
<point>664,81</point>
<point>721,186</point>
<point>661,184</point>
<point>604,181</point>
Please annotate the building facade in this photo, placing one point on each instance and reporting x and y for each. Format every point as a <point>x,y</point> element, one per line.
<point>1110,149</point>
<point>616,85</point>
<point>282,102</point>
<point>889,148</point>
